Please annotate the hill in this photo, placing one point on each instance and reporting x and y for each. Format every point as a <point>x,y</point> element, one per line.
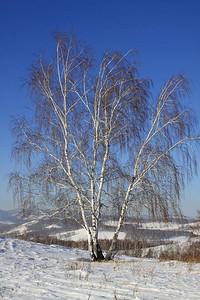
<point>36,271</point>
<point>143,238</point>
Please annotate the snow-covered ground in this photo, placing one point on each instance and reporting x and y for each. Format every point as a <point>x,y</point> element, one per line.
<point>35,271</point>
<point>160,225</point>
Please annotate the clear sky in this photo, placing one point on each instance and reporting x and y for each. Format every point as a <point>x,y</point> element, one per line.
<point>165,32</point>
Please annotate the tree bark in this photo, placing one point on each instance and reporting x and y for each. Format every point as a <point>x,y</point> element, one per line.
<point>94,248</point>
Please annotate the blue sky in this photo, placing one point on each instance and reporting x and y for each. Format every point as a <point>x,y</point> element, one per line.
<point>166,34</point>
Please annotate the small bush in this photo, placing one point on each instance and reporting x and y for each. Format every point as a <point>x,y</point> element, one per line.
<point>190,254</point>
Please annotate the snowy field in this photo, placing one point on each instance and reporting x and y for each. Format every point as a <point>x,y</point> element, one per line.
<point>35,271</point>
<point>80,234</point>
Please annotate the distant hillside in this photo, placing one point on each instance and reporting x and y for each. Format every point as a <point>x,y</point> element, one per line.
<point>35,226</point>
<point>9,217</point>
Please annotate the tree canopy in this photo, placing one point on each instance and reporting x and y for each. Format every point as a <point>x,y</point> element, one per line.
<point>99,140</point>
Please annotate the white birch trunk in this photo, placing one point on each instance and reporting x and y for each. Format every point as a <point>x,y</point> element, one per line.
<point>112,248</point>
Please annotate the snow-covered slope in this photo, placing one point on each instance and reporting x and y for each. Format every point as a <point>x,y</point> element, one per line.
<point>35,271</point>
<point>39,226</point>
<point>80,234</point>
<point>6,218</point>
<point>14,224</point>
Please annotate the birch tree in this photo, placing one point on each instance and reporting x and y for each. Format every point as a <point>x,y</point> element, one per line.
<point>97,131</point>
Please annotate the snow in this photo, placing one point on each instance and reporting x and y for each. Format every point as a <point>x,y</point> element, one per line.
<point>53,226</point>
<point>80,234</point>
<point>151,225</point>
<point>109,235</point>
<point>6,222</point>
<point>111,223</point>
<point>36,271</point>
<point>161,225</point>
<point>6,218</point>
<point>22,229</point>
<point>181,239</point>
